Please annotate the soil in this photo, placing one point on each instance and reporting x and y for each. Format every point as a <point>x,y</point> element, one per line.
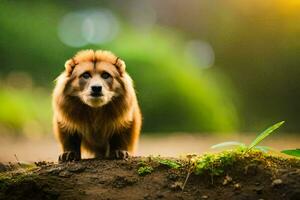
<point>249,177</point>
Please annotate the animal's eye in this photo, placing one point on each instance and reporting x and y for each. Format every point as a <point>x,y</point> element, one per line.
<point>86,75</point>
<point>105,75</point>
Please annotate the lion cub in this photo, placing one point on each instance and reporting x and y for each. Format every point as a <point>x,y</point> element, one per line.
<point>95,107</point>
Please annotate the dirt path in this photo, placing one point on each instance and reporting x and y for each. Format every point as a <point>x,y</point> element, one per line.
<point>249,177</point>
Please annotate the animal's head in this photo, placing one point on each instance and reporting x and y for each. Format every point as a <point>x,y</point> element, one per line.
<point>95,77</point>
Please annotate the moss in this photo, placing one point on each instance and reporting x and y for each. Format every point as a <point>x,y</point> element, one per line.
<point>22,172</point>
<point>144,170</point>
<point>8,179</point>
<point>218,163</point>
<point>214,164</point>
<point>4,181</point>
<point>145,167</point>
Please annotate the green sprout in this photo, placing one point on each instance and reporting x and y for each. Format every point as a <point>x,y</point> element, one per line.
<point>255,142</point>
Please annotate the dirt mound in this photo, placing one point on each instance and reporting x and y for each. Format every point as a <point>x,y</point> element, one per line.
<point>245,177</point>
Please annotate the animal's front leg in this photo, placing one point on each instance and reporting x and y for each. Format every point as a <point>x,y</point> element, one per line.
<point>121,154</point>
<point>71,143</point>
<point>119,147</point>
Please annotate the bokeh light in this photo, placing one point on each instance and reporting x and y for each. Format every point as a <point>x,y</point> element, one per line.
<point>142,15</point>
<point>80,28</point>
<point>70,30</point>
<point>100,26</point>
<point>201,53</point>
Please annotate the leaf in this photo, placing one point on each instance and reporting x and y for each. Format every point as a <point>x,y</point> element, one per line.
<point>227,144</point>
<point>292,152</point>
<point>170,163</point>
<point>264,134</point>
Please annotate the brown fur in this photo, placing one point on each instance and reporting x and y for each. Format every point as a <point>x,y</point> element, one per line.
<point>104,129</point>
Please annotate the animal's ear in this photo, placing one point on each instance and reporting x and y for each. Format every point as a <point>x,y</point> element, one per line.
<point>69,66</point>
<point>120,64</point>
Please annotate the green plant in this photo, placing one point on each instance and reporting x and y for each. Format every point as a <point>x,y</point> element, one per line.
<point>214,164</point>
<point>292,152</point>
<point>255,142</point>
<point>169,163</point>
<point>144,170</point>
<point>264,134</point>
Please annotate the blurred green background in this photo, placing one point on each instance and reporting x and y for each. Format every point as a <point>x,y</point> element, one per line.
<point>198,66</point>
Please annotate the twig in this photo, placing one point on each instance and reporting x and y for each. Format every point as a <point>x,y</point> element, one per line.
<point>212,174</point>
<point>186,179</point>
<point>18,162</point>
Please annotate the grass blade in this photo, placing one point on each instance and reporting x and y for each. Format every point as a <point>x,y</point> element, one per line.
<point>292,152</point>
<point>227,144</point>
<point>264,134</point>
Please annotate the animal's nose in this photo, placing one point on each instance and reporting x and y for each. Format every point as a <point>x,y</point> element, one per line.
<point>96,89</point>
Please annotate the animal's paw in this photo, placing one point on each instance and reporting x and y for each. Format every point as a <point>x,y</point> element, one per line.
<point>68,156</point>
<point>121,154</point>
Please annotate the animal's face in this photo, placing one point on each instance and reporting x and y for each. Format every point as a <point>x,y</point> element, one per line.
<point>96,84</point>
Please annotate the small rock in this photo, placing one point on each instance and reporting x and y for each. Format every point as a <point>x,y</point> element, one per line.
<point>172,176</point>
<point>122,181</point>
<point>177,185</point>
<point>65,174</point>
<point>55,170</point>
<point>237,186</point>
<point>76,168</point>
<point>259,190</point>
<point>159,195</point>
<point>227,180</point>
<point>204,197</point>
<point>276,182</point>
